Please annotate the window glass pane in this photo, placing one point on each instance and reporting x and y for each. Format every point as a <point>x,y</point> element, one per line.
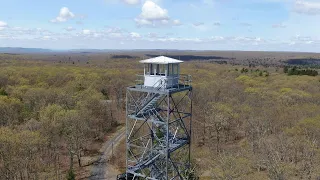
<point>163,69</point>
<point>172,69</point>
<point>147,69</point>
<point>158,69</point>
<point>151,69</point>
<point>167,69</point>
<point>175,70</point>
<point>177,67</point>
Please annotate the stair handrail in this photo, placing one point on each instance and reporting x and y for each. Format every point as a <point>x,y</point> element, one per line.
<point>143,100</point>
<point>186,79</point>
<point>157,85</point>
<point>145,104</point>
<point>160,83</point>
<point>139,78</point>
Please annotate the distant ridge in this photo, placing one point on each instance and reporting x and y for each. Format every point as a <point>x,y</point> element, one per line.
<point>23,50</point>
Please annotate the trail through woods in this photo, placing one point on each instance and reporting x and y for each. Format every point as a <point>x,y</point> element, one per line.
<point>102,169</point>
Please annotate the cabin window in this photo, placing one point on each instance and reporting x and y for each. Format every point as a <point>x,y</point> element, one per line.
<point>172,69</point>
<point>162,69</point>
<point>166,69</point>
<point>169,69</point>
<point>147,69</point>
<point>151,69</point>
<point>175,69</point>
<point>178,69</point>
<point>158,69</point>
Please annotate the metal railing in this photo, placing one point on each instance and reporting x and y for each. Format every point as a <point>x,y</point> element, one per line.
<point>183,80</point>
<point>140,79</point>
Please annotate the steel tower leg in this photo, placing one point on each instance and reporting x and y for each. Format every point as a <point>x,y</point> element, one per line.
<point>167,139</point>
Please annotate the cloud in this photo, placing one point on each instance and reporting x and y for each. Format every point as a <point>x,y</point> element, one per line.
<point>241,39</point>
<point>193,6</point>
<point>22,33</point>
<point>152,11</point>
<point>208,2</point>
<point>176,22</point>
<point>79,22</point>
<point>142,22</point>
<point>154,35</point>
<point>217,38</point>
<point>81,16</point>
<point>304,40</point>
<point>89,34</point>
<point>118,35</point>
<point>164,21</point>
<point>110,37</point>
<point>152,15</point>
<point>198,24</point>
<point>307,7</point>
<point>245,24</point>
<point>86,31</point>
<point>70,28</point>
<point>217,24</point>
<point>105,34</point>
<point>3,25</point>
<point>28,32</point>
<point>279,25</point>
<point>131,2</point>
<point>113,30</point>
<point>135,35</point>
<point>47,38</point>
<point>64,15</point>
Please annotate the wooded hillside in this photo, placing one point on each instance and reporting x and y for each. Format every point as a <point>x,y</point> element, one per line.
<point>253,126</point>
<point>51,114</point>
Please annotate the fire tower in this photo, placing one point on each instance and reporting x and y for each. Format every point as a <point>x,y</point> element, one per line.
<point>159,112</point>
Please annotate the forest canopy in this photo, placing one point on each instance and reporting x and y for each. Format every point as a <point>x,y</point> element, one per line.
<point>248,122</point>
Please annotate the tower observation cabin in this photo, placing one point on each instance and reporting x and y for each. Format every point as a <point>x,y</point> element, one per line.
<point>161,71</point>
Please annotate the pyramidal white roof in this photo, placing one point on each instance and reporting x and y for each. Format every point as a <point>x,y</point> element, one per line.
<point>161,60</point>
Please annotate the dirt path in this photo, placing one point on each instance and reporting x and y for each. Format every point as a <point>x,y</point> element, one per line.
<point>101,169</point>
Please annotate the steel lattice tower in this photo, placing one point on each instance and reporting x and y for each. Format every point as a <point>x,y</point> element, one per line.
<point>158,125</point>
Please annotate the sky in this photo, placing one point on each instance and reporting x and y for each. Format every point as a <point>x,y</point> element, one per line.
<point>257,25</point>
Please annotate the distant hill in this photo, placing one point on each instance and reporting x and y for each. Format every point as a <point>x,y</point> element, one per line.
<point>23,50</point>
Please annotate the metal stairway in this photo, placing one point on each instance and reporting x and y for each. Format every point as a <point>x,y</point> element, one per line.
<point>151,159</point>
<point>149,105</point>
<point>155,131</point>
<point>174,143</point>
